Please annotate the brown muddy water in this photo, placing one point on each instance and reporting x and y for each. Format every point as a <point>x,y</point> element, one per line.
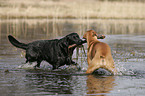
<point>125,37</point>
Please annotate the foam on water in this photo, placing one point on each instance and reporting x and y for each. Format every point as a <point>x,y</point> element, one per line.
<point>31,66</point>
<point>122,71</point>
<point>27,66</point>
<point>47,66</point>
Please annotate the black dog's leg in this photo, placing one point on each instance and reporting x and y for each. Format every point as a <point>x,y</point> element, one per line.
<point>70,56</point>
<point>73,62</point>
<point>38,64</point>
<point>55,67</point>
<point>76,64</point>
<point>26,61</point>
<point>70,62</point>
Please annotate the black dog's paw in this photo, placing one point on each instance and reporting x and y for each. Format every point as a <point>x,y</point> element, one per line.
<point>79,68</point>
<point>73,63</point>
<point>76,64</point>
<point>36,67</point>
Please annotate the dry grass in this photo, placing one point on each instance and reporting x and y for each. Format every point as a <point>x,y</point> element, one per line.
<point>71,9</point>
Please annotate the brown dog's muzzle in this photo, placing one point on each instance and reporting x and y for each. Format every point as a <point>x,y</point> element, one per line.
<point>98,36</point>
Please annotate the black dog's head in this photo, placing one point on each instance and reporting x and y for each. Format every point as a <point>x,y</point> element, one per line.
<point>74,38</point>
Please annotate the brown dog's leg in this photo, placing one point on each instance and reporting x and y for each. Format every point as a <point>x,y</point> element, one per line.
<point>110,65</point>
<point>93,64</point>
<point>111,69</point>
<point>88,60</point>
<point>99,63</point>
<point>92,67</point>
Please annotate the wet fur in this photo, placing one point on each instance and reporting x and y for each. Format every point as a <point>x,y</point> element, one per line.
<point>55,51</point>
<point>99,54</point>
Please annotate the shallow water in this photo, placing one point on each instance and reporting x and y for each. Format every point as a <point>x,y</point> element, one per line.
<point>127,43</point>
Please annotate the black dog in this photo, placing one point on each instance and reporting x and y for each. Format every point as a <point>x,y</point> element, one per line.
<point>56,51</point>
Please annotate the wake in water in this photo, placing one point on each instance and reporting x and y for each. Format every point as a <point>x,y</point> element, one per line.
<point>47,66</point>
<point>33,64</point>
<point>122,70</point>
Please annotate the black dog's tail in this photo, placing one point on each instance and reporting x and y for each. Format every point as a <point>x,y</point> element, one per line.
<point>17,43</point>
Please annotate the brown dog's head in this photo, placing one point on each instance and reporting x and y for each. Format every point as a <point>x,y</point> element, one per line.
<point>93,35</point>
<point>90,33</point>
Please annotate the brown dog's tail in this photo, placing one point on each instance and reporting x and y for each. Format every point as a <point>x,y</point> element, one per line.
<point>17,43</point>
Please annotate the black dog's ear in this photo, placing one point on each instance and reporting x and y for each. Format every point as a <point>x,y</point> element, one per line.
<point>67,38</point>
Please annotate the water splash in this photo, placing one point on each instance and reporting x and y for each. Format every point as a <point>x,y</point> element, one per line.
<point>27,66</point>
<point>46,66</point>
<point>43,66</point>
<point>122,71</point>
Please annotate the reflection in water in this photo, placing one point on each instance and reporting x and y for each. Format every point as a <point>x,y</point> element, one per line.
<point>55,82</point>
<point>100,85</point>
<point>55,28</point>
<point>50,83</point>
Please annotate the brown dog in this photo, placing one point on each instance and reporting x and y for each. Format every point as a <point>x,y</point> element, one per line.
<point>99,54</point>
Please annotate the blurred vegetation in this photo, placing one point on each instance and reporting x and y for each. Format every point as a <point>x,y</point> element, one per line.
<point>72,9</point>
<point>124,0</point>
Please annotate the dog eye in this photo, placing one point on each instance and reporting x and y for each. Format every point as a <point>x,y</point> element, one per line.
<point>75,37</point>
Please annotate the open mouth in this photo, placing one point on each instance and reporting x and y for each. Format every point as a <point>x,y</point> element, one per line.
<point>78,43</point>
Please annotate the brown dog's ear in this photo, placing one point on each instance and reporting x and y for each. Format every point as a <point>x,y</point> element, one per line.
<point>94,33</point>
<point>90,30</point>
<point>85,36</point>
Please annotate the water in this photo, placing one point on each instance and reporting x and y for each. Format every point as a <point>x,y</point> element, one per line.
<point>127,42</point>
